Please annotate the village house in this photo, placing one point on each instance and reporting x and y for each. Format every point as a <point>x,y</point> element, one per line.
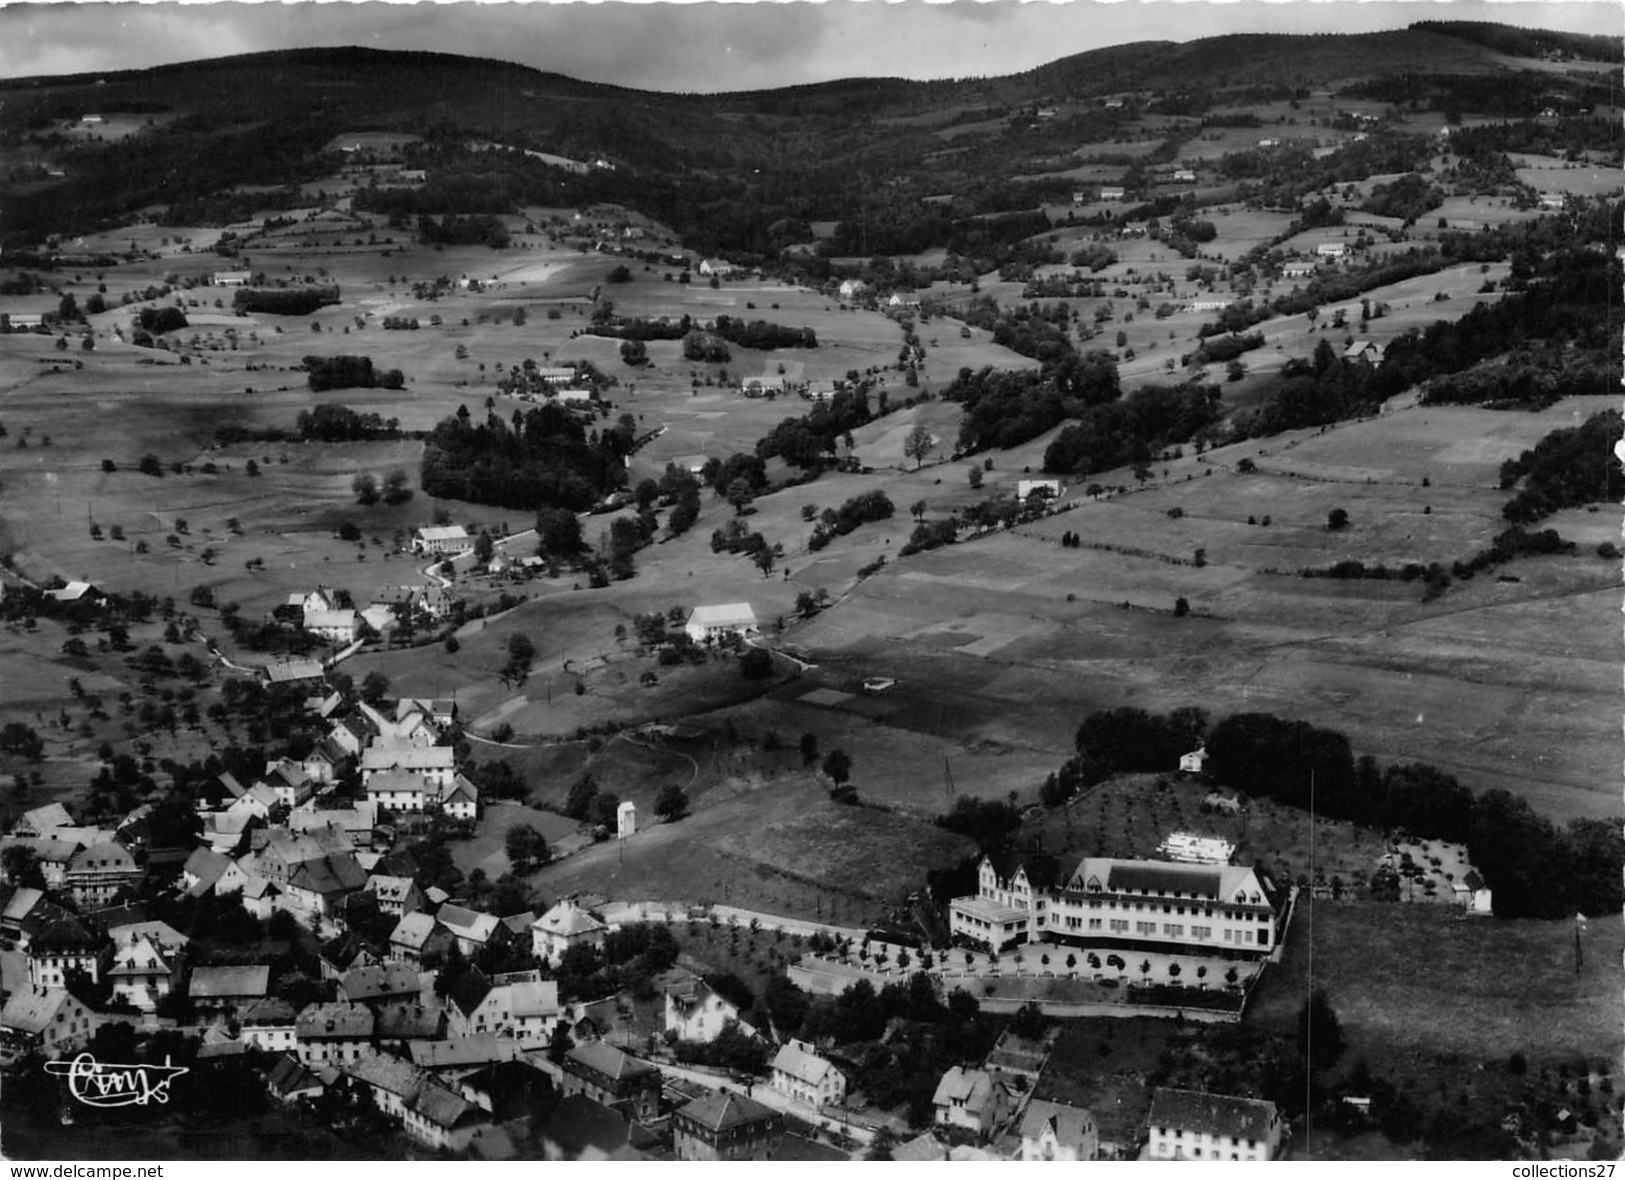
<point>972,1100</point>
<point>141,976</point>
<point>345,953</point>
<point>288,781</point>
<point>324,762</point>
<point>42,821</point>
<point>294,672</point>
<point>317,887</point>
<point>442,539</point>
<point>1112,192</point>
<point>232,278</point>
<point>48,1021</point>
<point>723,1125</point>
<point>1331,250</point>
<point>605,1074</point>
<point>717,267</point>
<point>437,764</point>
<point>1189,1125</point>
<point>1193,762</point>
<point>381,984</point>
<point>716,622</point>
<point>417,936</point>
<point>443,1120</point>
<point>562,927</point>
<point>461,800</point>
<point>270,1025</point>
<point>458,1056</point>
<point>59,948</point>
<point>1050,488</point>
<point>1210,304</point>
<point>51,855</point>
<point>533,1010</point>
<point>390,1082</point>
<point>695,1012</point>
<point>97,875</point>
<point>1055,1131</point>
<point>334,1034</point>
<point>800,1073</point>
<point>400,790</point>
<point>396,896</point>
<point>290,1082</point>
<point>471,928</point>
<point>401,1025</point>
<point>169,941</point>
<point>1298,269</point>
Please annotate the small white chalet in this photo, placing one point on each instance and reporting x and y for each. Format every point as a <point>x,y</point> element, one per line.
<point>714,622</point>
<point>800,1073</point>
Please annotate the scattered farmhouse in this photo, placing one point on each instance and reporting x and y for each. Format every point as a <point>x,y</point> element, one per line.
<point>1189,1125</point>
<point>716,622</point>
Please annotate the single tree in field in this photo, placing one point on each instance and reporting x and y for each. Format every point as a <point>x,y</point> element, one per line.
<point>838,765</point>
<point>397,487</point>
<point>809,748</point>
<point>918,509</point>
<point>578,804</point>
<point>374,687</point>
<point>1336,519</point>
<point>1320,1033</point>
<point>365,488</point>
<point>975,477</point>
<point>672,803</point>
<point>740,495</point>
<point>521,654</point>
<point>526,848</point>
<point>484,547</point>
<point>919,443</point>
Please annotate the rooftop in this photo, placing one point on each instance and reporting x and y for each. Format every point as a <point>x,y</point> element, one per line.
<point>1212,1114</point>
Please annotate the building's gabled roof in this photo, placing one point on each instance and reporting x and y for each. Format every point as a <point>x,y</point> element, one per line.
<point>291,670</point>
<point>534,999</point>
<point>972,1087</point>
<point>446,1110</point>
<point>470,990</point>
<point>288,1076</point>
<point>390,1074</point>
<point>408,1021</point>
<point>382,756</point>
<point>442,532</point>
<point>457,1052</point>
<point>103,858</point>
<point>923,1148</point>
<point>32,1009</point>
<point>140,957</point>
<point>798,1061</point>
<point>229,983</point>
<point>520,923</point>
<point>334,1021</point>
<point>399,782</point>
<point>206,865</point>
<point>729,614</point>
<point>413,930</point>
<point>329,618</point>
<point>329,875</point>
<point>467,923</point>
<point>566,919</point>
<point>391,889</point>
<point>722,1110</point>
<point>21,903</point>
<point>386,979</point>
<point>1071,1125</point>
<point>160,934</point>
<point>607,1060</point>
<point>582,1128</point>
<point>1211,1114</point>
<point>269,1011</point>
<point>40,820</point>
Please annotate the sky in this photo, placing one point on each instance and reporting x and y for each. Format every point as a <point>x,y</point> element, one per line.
<point>714,46</point>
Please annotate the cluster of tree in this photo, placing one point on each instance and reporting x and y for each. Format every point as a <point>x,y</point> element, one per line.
<point>808,441</point>
<point>1133,430</point>
<point>349,372</point>
<point>705,348</point>
<point>630,959</point>
<point>158,320</point>
<point>1005,408</point>
<point>987,821</point>
<point>332,422</point>
<point>1217,349</point>
<point>861,509</point>
<point>1570,466</point>
<point>1507,546</point>
<point>761,334</point>
<point>543,458</point>
<point>300,300</point>
<point>1408,197</point>
<point>681,490</point>
<point>1524,381</point>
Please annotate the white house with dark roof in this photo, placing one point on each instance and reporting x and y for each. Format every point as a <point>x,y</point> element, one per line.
<point>440,539</point>
<point>444,1120</point>
<point>96,875</point>
<point>218,988</point>
<point>334,1034</point>
<point>49,1021</point>
<point>396,896</point>
<point>717,622</point>
<point>141,975</point>
<point>417,935</point>
<point>800,1073</point>
<point>1190,1125</point>
<point>972,1100</point>
<point>695,1012</point>
<point>437,764</point>
<point>562,927</point>
<point>1056,1131</point>
<point>471,928</point>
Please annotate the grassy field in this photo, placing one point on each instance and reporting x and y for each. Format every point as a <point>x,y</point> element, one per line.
<point>1481,988</point>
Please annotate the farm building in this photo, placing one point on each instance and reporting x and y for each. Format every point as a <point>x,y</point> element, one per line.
<point>1190,1125</point>
<point>1331,250</point>
<point>562,927</point>
<point>717,267</point>
<point>1210,304</point>
<point>1300,269</point>
<point>1551,200</point>
<point>78,592</point>
<point>715,622</point>
<point>1193,762</point>
<point>573,395</point>
<point>1049,487</point>
<point>852,288</point>
<point>1185,175</point>
<point>1112,192</point>
<point>22,321</point>
<point>336,626</point>
<point>1364,350</point>
<point>231,278</point>
<point>293,671</point>
<point>448,538</point>
<point>91,120</point>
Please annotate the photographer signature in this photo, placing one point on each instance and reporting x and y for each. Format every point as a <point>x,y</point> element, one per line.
<point>96,1084</point>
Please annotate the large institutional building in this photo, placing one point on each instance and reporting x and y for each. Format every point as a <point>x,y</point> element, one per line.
<point>1226,911</point>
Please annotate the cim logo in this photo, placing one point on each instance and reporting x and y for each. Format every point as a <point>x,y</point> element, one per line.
<point>96,1084</point>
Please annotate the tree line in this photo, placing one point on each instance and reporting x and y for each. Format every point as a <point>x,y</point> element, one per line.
<point>544,457</point>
